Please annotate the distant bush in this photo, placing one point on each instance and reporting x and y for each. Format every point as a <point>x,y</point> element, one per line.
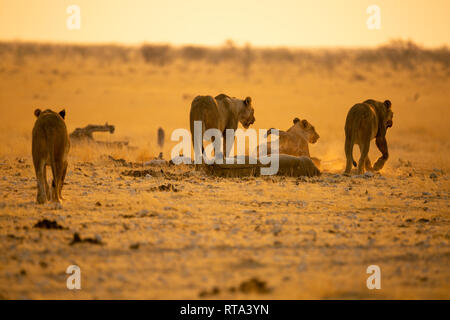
<point>157,54</point>
<point>398,53</point>
<point>193,52</point>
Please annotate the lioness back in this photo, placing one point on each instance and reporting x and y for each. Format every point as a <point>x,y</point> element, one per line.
<point>361,122</point>
<point>204,108</point>
<point>49,134</point>
<point>50,147</point>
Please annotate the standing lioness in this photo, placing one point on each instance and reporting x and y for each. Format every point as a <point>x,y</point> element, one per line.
<point>221,112</point>
<point>50,147</point>
<point>366,121</point>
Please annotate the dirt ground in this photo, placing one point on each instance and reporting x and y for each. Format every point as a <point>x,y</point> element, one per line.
<point>172,232</point>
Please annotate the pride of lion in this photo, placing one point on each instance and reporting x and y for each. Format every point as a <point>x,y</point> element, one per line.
<point>365,121</point>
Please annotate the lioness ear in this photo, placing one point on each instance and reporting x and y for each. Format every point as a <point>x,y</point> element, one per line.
<point>62,113</point>
<point>296,120</point>
<point>37,112</point>
<point>387,103</point>
<point>248,101</point>
<point>304,123</point>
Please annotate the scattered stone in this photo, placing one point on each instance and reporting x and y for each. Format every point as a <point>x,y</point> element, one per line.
<point>368,174</point>
<point>98,204</point>
<point>276,229</point>
<point>277,244</point>
<point>48,224</point>
<point>423,220</point>
<point>422,279</point>
<point>143,212</point>
<point>156,162</point>
<point>205,293</point>
<point>120,162</point>
<point>135,246</point>
<point>77,239</point>
<point>164,187</point>
<point>14,237</point>
<point>404,163</point>
<point>142,173</point>
<point>254,285</point>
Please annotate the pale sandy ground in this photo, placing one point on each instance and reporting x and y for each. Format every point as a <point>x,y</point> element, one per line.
<point>305,238</point>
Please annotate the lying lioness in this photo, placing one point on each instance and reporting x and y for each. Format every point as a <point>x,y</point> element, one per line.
<point>295,140</point>
<point>288,166</point>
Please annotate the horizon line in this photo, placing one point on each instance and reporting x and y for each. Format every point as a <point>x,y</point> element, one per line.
<point>224,43</point>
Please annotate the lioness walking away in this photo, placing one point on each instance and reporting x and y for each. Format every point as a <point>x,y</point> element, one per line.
<point>221,112</point>
<point>366,121</point>
<point>50,147</point>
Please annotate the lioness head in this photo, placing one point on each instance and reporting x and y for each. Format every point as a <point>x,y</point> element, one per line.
<point>389,114</point>
<point>383,110</point>
<point>247,114</point>
<point>308,129</point>
<point>38,112</point>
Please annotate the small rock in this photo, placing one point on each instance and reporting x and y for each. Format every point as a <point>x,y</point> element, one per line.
<point>143,212</point>
<point>48,224</point>
<point>77,239</point>
<point>135,246</point>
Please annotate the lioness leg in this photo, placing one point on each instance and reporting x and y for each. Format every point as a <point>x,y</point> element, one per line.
<point>368,164</point>
<point>382,146</point>
<point>364,148</point>
<point>39,168</point>
<point>227,145</point>
<point>348,154</point>
<point>57,174</point>
<point>46,187</point>
<point>64,171</point>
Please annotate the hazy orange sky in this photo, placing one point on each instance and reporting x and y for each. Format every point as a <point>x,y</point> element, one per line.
<point>211,22</point>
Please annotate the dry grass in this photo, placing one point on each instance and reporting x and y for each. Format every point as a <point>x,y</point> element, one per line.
<point>310,238</point>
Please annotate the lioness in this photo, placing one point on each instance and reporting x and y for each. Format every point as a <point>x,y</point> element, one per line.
<point>366,121</point>
<point>221,112</point>
<point>295,140</point>
<point>288,166</point>
<point>50,146</point>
